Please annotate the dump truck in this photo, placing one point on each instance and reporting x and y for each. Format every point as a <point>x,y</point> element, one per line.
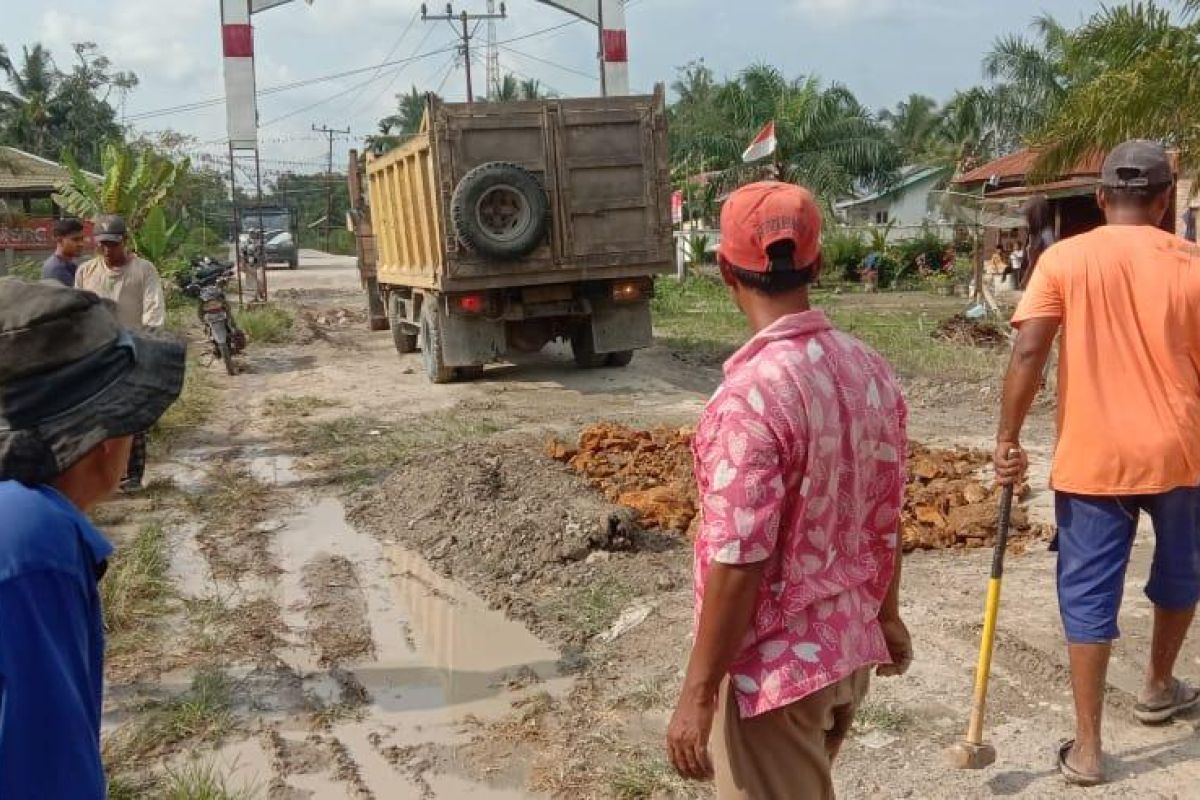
<point>501,227</point>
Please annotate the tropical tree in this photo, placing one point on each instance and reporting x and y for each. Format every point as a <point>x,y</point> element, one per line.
<point>915,127</point>
<point>134,182</point>
<point>827,139</point>
<point>45,110</point>
<point>1135,68</point>
<point>410,113</point>
<point>512,89</point>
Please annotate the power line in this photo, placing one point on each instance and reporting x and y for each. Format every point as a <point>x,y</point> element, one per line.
<point>201,104</point>
<point>398,70</point>
<point>556,65</point>
<point>395,46</point>
<point>466,18</point>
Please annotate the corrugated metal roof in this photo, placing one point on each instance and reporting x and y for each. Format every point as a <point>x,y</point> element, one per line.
<point>1018,164</point>
<point>908,176</point>
<point>22,172</point>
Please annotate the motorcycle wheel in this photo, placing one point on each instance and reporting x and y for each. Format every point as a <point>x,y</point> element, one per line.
<point>227,357</point>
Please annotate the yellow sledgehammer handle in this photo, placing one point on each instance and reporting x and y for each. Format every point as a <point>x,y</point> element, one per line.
<point>990,612</point>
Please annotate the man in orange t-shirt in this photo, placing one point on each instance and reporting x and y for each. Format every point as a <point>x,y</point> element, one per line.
<point>1127,298</point>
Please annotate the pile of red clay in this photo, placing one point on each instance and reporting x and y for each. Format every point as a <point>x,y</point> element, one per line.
<point>650,471</point>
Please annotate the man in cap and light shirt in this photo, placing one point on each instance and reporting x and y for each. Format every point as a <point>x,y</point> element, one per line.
<point>74,386</point>
<point>134,285</point>
<point>800,466</point>
<point>1126,297</point>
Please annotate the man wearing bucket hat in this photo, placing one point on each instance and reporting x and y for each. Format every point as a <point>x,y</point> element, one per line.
<point>799,461</point>
<point>134,285</point>
<point>74,386</point>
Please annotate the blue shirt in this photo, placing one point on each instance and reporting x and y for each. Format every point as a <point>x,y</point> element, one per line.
<point>51,647</point>
<point>60,269</point>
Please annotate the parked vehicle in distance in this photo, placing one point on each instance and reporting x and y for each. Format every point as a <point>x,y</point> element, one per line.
<point>205,281</point>
<point>503,226</point>
<point>281,238</point>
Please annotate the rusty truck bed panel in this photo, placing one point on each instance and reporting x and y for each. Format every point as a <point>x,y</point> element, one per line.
<point>602,162</point>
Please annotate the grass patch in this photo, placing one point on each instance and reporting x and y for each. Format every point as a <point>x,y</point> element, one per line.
<point>288,406</point>
<point>640,776</point>
<point>136,588</point>
<point>355,450</point>
<point>200,715</point>
<point>697,317</point>
<point>877,716</point>
<point>648,693</point>
<point>201,780</point>
<point>266,324</point>
<point>193,408</point>
<point>593,609</point>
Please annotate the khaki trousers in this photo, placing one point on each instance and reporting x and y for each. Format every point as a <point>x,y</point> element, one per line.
<point>785,754</point>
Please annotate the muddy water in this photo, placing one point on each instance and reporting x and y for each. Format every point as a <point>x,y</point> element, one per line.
<point>438,655</point>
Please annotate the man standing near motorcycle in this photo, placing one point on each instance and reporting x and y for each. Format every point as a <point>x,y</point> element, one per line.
<point>134,285</point>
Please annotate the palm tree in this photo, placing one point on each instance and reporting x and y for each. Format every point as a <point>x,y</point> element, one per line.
<point>915,126</point>
<point>1136,68</point>
<point>827,139</point>
<point>508,91</point>
<point>33,82</point>
<point>409,116</point>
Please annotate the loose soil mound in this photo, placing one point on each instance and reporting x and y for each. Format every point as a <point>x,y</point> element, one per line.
<point>960,330</point>
<point>650,472</point>
<point>947,506</point>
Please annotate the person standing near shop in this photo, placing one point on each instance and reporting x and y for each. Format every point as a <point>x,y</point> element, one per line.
<point>134,285</point>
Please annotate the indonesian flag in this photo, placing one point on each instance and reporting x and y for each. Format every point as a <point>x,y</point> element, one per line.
<point>763,145</point>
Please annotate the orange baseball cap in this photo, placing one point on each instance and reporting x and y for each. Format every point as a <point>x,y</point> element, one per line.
<point>761,214</point>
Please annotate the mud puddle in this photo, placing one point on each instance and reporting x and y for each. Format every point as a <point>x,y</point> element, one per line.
<point>394,656</point>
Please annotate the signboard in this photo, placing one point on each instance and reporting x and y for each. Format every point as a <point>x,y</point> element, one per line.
<point>31,233</point>
<point>237,46</point>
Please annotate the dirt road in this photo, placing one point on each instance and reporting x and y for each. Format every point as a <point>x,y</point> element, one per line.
<point>418,603</point>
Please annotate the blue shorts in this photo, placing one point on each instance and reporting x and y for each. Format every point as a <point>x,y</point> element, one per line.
<point>1094,540</point>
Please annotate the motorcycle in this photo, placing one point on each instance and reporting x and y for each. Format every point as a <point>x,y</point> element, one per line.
<point>206,282</point>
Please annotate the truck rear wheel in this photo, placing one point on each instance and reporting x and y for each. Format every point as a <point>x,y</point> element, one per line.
<point>583,347</point>
<point>431,344</point>
<point>621,358</point>
<point>402,335</point>
<point>499,211</point>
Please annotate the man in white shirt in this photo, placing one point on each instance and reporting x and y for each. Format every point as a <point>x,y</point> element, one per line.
<point>134,285</point>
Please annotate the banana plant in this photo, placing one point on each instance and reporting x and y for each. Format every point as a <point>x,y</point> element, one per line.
<point>155,239</point>
<point>134,183</point>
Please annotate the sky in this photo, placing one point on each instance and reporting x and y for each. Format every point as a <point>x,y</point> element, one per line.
<point>883,50</point>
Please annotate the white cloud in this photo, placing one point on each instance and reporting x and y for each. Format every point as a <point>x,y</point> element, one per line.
<point>166,40</point>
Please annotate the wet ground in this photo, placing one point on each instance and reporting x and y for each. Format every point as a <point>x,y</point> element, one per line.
<point>481,627</point>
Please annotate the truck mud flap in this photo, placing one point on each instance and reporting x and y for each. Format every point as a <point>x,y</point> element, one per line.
<point>470,341</point>
<point>616,328</point>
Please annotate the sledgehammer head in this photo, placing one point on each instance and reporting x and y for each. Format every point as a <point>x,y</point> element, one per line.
<point>966,755</point>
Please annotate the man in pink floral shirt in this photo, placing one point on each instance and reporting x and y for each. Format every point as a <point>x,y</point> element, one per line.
<point>800,465</point>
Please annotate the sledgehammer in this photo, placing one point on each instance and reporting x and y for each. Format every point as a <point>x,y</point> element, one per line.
<point>973,753</point>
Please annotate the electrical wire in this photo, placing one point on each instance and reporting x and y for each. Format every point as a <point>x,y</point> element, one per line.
<point>395,46</point>
<point>201,104</point>
<point>547,62</point>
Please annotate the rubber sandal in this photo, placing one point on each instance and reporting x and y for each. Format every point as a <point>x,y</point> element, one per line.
<point>1183,698</point>
<point>1069,773</point>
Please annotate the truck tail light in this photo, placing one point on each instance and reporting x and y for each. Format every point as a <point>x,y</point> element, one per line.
<point>628,291</point>
<point>471,303</point>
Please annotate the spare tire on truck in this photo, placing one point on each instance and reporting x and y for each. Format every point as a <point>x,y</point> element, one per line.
<point>499,211</point>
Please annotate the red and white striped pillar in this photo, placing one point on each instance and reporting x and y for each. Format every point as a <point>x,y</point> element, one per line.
<point>237,44</point>
<point>614,47</point>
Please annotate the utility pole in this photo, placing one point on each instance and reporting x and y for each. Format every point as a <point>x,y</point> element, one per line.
<point>467,32</point>
<point>329,132</point>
